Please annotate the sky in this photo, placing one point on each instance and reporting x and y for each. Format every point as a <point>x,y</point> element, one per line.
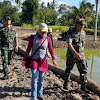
<point>68,2</point>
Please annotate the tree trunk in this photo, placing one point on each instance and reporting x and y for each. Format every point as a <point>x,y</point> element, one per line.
<point>96,18</point>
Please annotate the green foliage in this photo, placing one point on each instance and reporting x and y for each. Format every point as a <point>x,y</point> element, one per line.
<point>85,10</point>
<point>18,2</point>
<point>30,8</point>
<point>35,20</point>
<point>59,28</point>
<point>16,19</point>
<point>56,28</point>
<point>50,16</point>
<point>7,9</point>
<point>27,25</point>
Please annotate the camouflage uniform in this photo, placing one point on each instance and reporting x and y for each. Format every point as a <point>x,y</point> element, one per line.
<point>7,36</point>
<point>77,40</point>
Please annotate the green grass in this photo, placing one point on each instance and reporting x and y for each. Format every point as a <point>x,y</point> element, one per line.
<point>27,25</point>
<point>93,52</point>
<point>62,53</point>
<point>56,28</point>
<point>90,30</point>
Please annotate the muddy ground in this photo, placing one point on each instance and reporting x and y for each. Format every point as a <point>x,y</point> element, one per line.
<point>18,84</point>
<point>89,44</point>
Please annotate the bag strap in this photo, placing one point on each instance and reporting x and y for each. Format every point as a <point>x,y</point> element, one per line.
<point>39,47</point>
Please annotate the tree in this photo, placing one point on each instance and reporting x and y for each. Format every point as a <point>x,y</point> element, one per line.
<point>18,2</point>
<point>96,18</point>
<point>85,11</point>
<point>50,16</point>
<point>63,8</point>
<point>53,5</point>
<point>42,5</point>
<point>30,8</point>
<point>7,9</point>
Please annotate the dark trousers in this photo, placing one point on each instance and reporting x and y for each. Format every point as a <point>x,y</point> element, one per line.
<point>82,68</point>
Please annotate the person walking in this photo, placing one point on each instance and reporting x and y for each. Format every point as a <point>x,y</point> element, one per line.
<point>9,42</point>
<point>50,34</point>
<point>75,54</point>
<point>39,62</point>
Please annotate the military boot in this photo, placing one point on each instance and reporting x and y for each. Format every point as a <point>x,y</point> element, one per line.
<point>65,85</point>
<point>83,88</point>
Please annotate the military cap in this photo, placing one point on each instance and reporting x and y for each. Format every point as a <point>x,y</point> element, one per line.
<point>80,21</point>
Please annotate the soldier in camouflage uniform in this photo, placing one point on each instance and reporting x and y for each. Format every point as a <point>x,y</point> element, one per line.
<point>75,53</point>
<point>9,42</point>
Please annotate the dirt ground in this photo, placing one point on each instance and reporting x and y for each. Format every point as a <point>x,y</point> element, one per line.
<point>89,44</point>
<point>18,84</point>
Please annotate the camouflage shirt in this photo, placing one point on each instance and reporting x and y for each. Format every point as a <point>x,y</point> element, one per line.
<point>77,39</point>
<point>7,36</point>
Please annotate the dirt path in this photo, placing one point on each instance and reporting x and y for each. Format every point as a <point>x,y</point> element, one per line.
<point>18,85</point>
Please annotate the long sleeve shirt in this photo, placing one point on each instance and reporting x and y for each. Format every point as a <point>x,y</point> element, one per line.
<point>39,64</point>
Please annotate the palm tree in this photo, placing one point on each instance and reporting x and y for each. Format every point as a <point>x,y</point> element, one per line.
<point>96,18</point>
<point>18,2</point>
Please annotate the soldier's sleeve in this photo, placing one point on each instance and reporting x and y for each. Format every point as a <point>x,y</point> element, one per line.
<point>83,40</point>
<point>69,36</point>
<point>15,33</point>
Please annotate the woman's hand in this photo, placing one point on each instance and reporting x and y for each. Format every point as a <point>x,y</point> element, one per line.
<point>54,62</point>
<point>23,63</point>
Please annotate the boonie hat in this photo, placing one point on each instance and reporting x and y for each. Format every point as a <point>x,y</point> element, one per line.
<point>43,27</point>
<point>80,21</point>
<point>50,30</point>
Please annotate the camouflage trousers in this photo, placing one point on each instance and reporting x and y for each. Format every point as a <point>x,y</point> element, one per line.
<point>82,68</point>
<point>6,57</point>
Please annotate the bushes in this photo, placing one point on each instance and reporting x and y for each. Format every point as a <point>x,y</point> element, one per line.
<point>57,28</point>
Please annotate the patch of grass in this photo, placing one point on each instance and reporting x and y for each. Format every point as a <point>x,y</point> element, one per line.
<point>56,28</point>
<point>27,25</point>
<point>59,28</point>
<point>62,53</point>
<point>90,30</point>
<point>94,52</point>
